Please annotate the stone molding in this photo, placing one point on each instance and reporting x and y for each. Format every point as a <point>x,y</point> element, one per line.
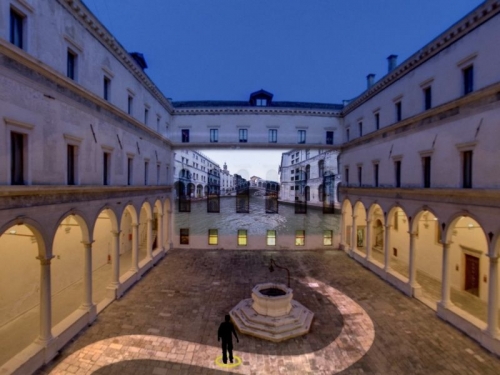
<point>255,111</point>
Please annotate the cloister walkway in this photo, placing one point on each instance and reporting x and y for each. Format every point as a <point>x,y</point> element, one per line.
<point>167,323</point>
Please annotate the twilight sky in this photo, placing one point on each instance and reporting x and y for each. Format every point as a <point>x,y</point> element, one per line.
<point>300,50</point>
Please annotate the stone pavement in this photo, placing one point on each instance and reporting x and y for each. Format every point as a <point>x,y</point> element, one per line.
<point>167,323</point>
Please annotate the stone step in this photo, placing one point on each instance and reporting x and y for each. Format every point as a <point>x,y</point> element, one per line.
<point>296,316</point>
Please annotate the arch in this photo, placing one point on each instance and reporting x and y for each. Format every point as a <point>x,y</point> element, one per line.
<point>79,217</point>
<point>417,214</point>
<point>453,219</point>
<point>113,217</point>
<point>359,220</point>
<point>42,238</point>
<point>398,246</point>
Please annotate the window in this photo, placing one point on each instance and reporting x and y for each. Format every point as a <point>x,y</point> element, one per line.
<point>17,148</point>
<point>273,136</point>
<point>360,128</point>
<point>130,104</point>
<point>468,77</point>
<point>375,174</point>
<point>184,236</point>
<point>106,168</point>
<point>426,163</point>
<point>328,237</point>
<point>185,135</point>
<point>271,238</point>
<point>360,175</point>
<point>213,236</point>
<point>329,138</point>
<point>17,28</point>
<point>398,111</point>
<point>146,115</point>
<point>300,237</point>
<point>467,169</point>
<point>71,165</point>
<point>261,102</point>
<point>346,175</point>
<point>157,174</point>
<point>347,135</point>
<point>106,88</point>
<point>130,162</point>
<point>214,135</point>
<point>397,166</point>
<point>243,135</point>
<point>427,98</point>
<point>242,237</point>
<point>321,168</point>
<point>377,121</point>
<point>302,136</point>
<point>146,172</point>
<point>71,65</point>
<point>157,123</point>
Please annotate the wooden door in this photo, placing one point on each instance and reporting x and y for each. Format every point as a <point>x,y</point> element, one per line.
<point>472,274</point>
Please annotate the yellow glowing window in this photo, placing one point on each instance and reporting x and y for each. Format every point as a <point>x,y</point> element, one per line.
<point>271,238</point>
<point>300,237</point>
<point>213,236</point>
<point>242,237</point>
<point>328,237</point>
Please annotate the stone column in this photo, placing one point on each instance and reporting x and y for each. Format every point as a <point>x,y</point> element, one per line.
<point>342,230</point>
<point>353,234</point>
<point>413,263</point>
<point>115,259</point>
<point>492,328</point>
<point>149,239</point>
<point>87,276</point>
<point>368,240</point>
<point>159,235</point>
<point>135,248</point>
<point>387,248</point>
<point>170,233</point>
<point>445,286</point>
<point>45,335</point>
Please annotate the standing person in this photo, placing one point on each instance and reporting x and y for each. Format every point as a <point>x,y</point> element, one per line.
<point>226,331</point>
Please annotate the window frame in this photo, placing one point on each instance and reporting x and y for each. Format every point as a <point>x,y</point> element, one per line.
<point>185,135</point>
<point>467,169</point>
<point>17,27</point>
<point>427,97</point>
<point>271,237</point>
<point>72,68</point>
<point>273,135</point>
<point>301,134</point>
<point>242,237</point>
<point>329,137</point>
<point>300,237</point>
<point>183,236</point>
<point>243,135</point>
<point>214,135</point>
<point>468,79</point>
<point>213,237</point>
<point>327,237</point>
<point>106,88</point>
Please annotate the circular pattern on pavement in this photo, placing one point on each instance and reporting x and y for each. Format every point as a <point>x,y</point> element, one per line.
<point>236,363</point>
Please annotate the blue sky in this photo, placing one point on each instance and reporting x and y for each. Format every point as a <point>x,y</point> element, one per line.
<point>300,50</point>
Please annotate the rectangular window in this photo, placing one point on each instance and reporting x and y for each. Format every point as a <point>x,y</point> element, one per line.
<point>17,28</point>
<point>184,236</point>
<point>347,135</point>
<point>157,174</point>
<point>300,237</point>
<point>426,163</point>
<point>105,168</point>
<point>375,174</point>
<point>130,104</point>
<point>146,115</point>
<point>397,166</point>
<point>360,127</point>
<point>377,121</point>
<point>17,158</point>
<point>71,65</point>
<point>399,114</point>
<point>329,138</point>
<point>129,170</point>
<point>468,77</point>
<point>146,172</point>
<point>214,135</point>
<point>467,169</point>
<point>71,165</point>
<point>302,136</point>
<point>273,136</point>
<point>360,175</point>
<point>242,237</point>
<point>271,238</point>
<point>427,98</point>
<point>185,135</point>
<point>213,236</point>
<point>328,237</point>
<point>346,175</point>
<point>243,135</point>
<point>106,88</point>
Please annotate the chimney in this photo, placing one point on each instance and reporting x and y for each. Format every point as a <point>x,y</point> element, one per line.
<point>369,80</point>
<point>392,59</point>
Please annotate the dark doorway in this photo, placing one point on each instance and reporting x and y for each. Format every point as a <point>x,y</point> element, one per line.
<point>472,274</point>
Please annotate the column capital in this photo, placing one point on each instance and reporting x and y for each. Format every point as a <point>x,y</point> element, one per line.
<point>135,225</point>
<point>368,221</point>
<point>45,261</point>
<point>151,221</point>
<point>493,258</point>
<point>388,226</point>
<point>160,215</point>
<point>116,233</point>
<point>413,234</point>
<point>354,217</point>
<point>87,243</point>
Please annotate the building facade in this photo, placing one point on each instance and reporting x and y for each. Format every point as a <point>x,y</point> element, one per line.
<point>92,151</point>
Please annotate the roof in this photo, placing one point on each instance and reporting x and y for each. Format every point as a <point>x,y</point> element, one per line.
<point>237,103</point>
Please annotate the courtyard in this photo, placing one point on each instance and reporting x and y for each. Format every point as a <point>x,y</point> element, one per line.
<point>167,323</point>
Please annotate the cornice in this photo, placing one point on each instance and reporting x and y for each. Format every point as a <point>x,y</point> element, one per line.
<point>470,22</point>
<point>254,111</point>
<point>97,29</point>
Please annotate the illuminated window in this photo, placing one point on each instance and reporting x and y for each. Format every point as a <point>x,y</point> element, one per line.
<point>328,237</point>
<point>184,240</point>
<point>300,237</point>
<point>271,238</point>
<point>242,237</point>
<point>213,236</point>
